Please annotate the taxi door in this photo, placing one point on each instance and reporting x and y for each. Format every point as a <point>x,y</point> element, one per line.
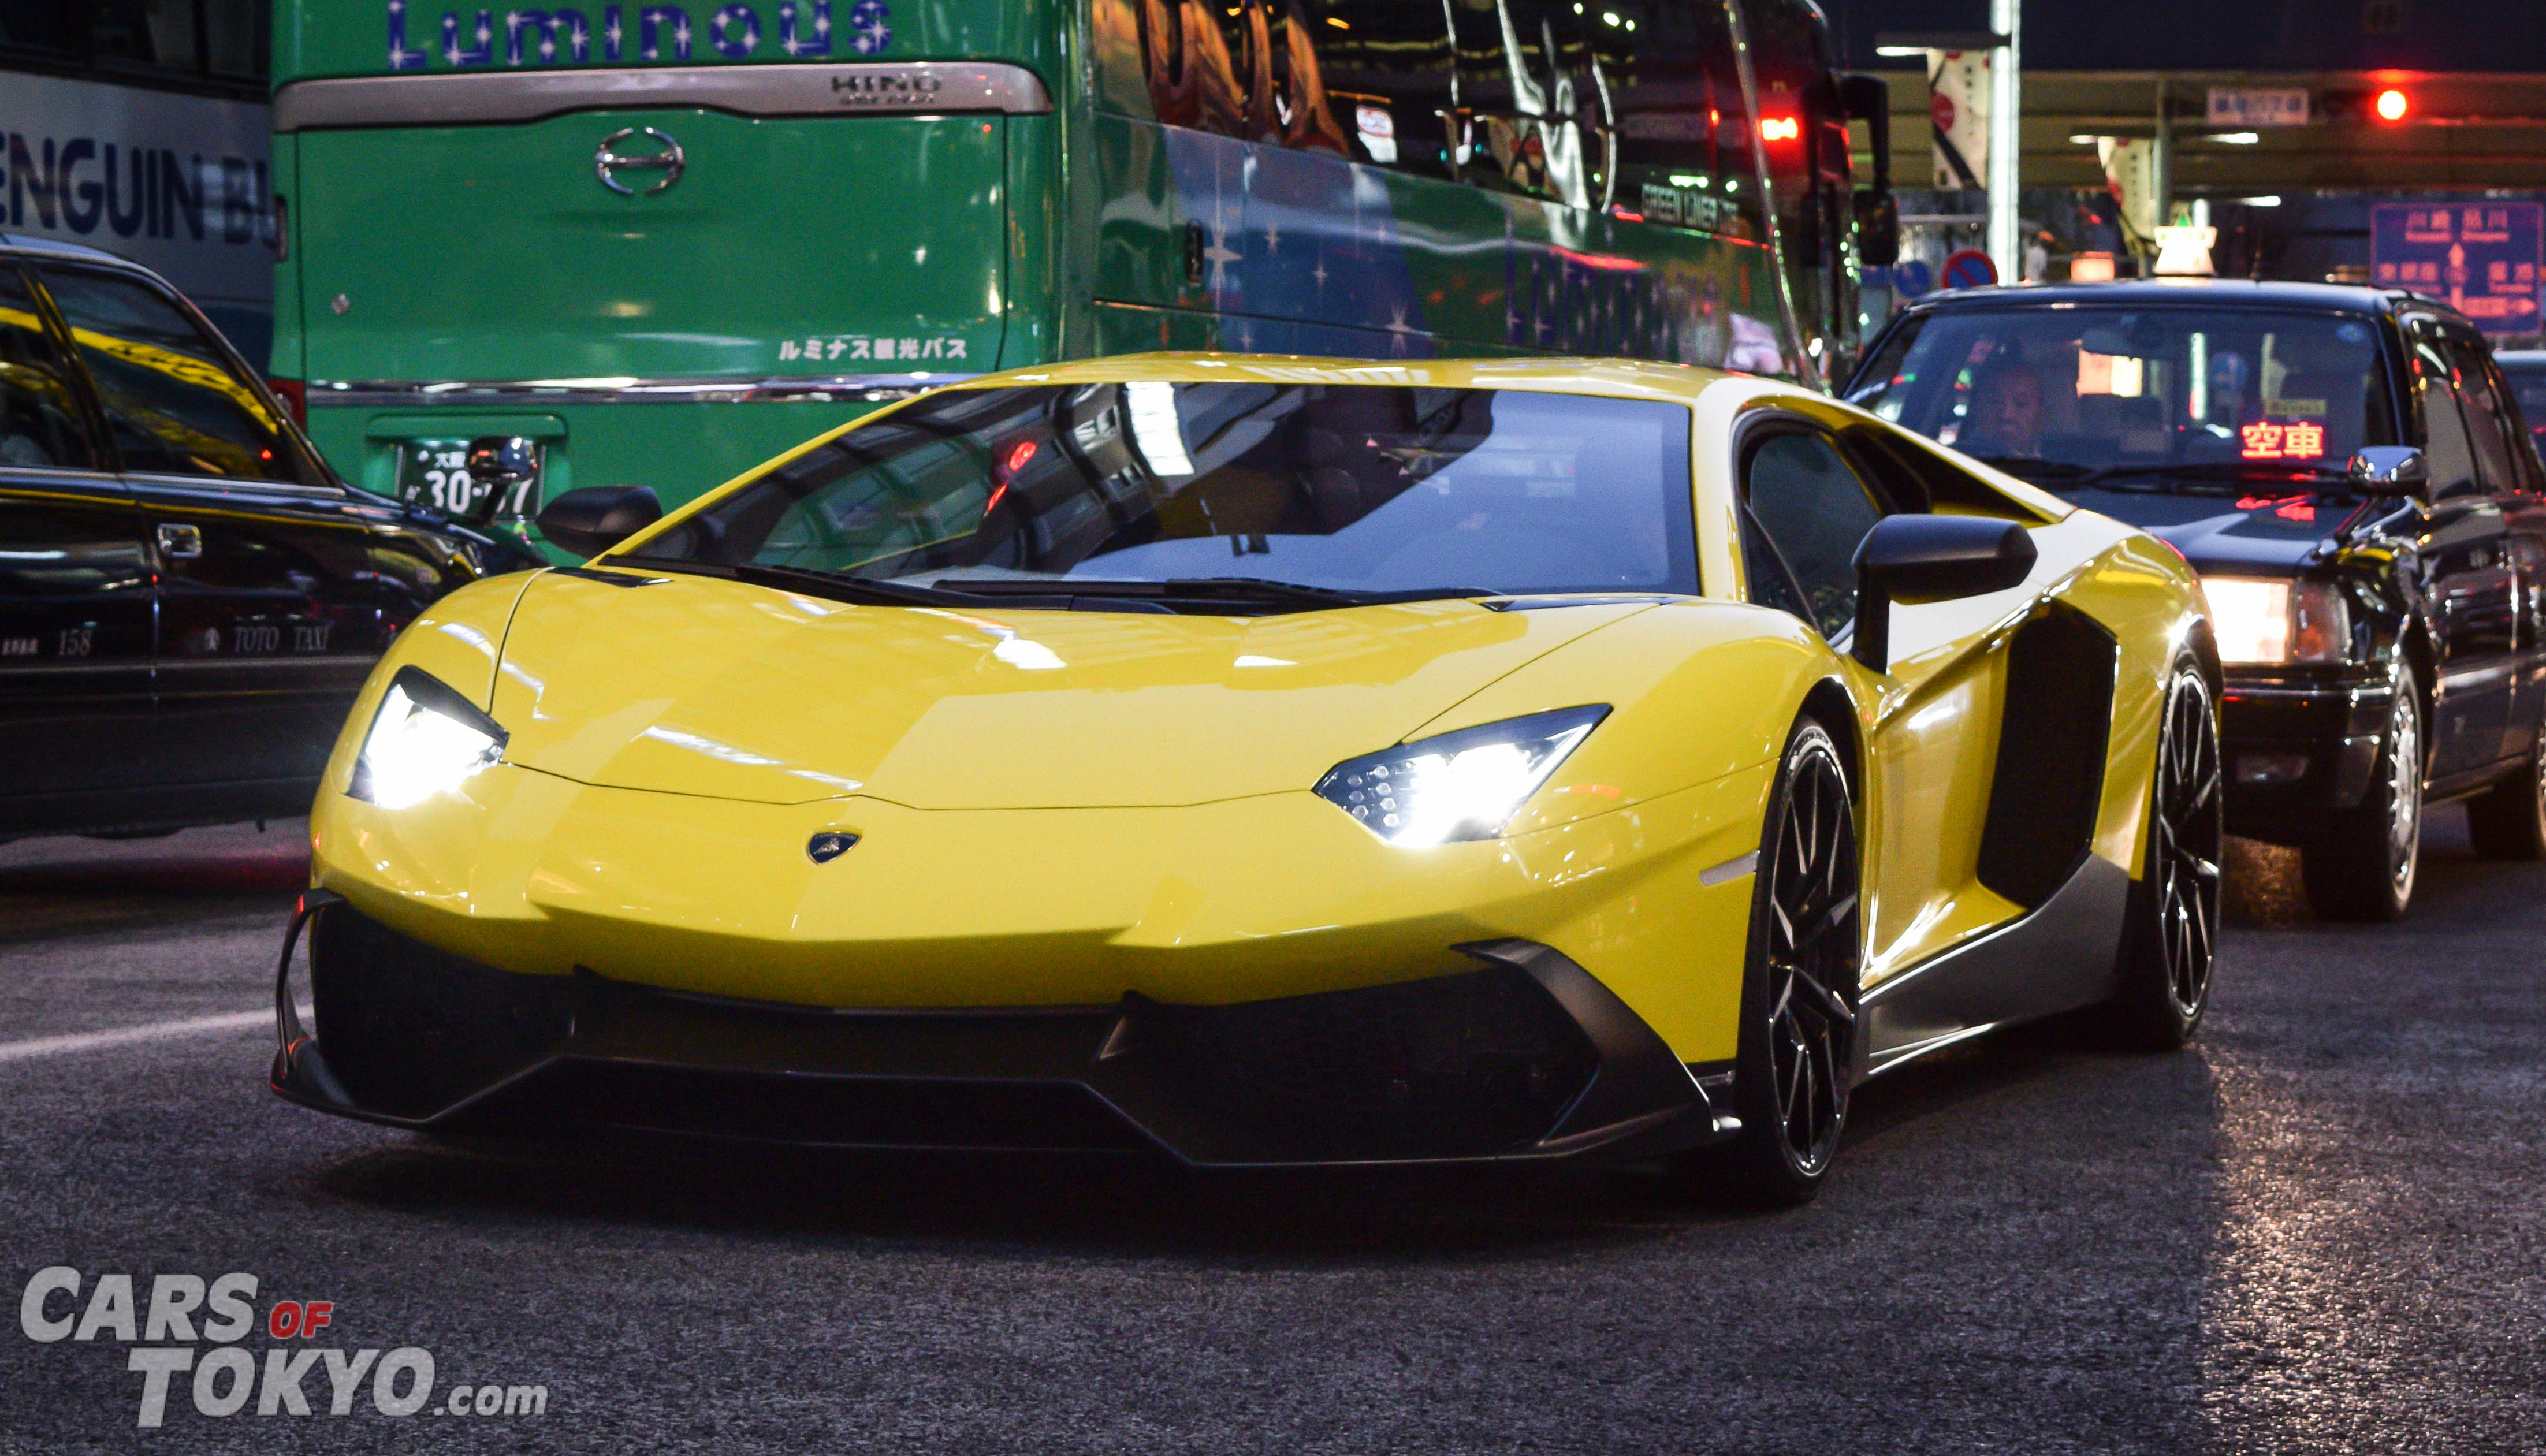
<point>75,595</point>
<point>268,616</point>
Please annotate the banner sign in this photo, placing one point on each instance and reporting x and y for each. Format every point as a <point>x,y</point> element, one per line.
<point>2483,258</point>
<point>2258,106</point>
<point>175,183</point>
<point>1958,91</point>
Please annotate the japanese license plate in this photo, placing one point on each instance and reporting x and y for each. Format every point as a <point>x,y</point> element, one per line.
<point>435,472</point>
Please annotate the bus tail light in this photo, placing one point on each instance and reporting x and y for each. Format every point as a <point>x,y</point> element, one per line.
<point>294,396</point>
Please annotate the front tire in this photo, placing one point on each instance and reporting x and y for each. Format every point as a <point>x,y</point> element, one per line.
<point>2361,868</point>
<point>1800,986</point>
<point>2509,821</point>
<point>2170,945</point>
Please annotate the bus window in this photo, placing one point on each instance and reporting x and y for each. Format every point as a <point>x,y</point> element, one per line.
<point>1386,69</point>
<point>1193,78</point>
<point>1354,77</point>
<point>1301,101</point>
<point>1530,107</point>
<point>1668,114</point>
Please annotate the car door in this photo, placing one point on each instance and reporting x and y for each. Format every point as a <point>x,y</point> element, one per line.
<point>2513,477</point>
<point>75,597</point>
<point>2465,569</point>
<point>270,603</point>
<point>1809,502</point>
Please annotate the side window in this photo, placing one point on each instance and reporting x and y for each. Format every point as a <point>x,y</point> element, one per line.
<point>2451,455</point>
<point>1342,76</point>
<point>1532,113</point>
<point>1385,65</point>
<point>1771,584</point>
<point>39,414</point>
<point>171,402</point>
<point>1816,509</point>
<point>1677,103</point>
<point>2489,422</point>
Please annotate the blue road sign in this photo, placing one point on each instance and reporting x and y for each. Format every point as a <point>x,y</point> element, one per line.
<point>2485,259</point>
<point>1968,267</point>
<point>1912,277</point>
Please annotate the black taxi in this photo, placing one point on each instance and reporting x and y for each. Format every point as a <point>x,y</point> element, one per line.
<point>2349,470</point>
<point>189,598</point>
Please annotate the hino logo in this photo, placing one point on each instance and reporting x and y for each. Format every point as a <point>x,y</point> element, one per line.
<point>664,157</point>
<point>887,88</point>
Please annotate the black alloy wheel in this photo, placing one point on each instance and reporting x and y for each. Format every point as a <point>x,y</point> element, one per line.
<point>1800,991</point>
<point>2508,820</point>
<point>2171,944</point>
<point>2361,868</point>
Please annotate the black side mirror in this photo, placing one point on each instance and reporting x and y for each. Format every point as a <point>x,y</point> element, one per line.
<point>1930,558</point>
<point>2392,470</point>
<point>592,520</point>
<point>1877,213</point>
<point>1878,227</point>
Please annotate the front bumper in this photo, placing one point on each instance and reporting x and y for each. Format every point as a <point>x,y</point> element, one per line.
<point>2297,752</point>
<point>1526,1058</point>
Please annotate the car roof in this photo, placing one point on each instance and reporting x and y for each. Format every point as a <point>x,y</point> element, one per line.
<point>2154,291</point>
<point>28,242</point>
<point>1626,378</point>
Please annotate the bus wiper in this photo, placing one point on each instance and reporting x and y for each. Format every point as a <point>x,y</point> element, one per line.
<point>2033,467</point>
<point>830,584</point>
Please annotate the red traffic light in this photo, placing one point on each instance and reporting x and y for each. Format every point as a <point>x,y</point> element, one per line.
<point>2392,104</point>
<point>1780,129</point>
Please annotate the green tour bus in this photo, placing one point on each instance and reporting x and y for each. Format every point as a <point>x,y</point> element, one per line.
<point>526,250</point>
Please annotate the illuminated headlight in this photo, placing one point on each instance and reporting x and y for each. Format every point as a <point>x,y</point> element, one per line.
<point>425,739</point>
<point>1465,785</point>
<point>2279,621</point>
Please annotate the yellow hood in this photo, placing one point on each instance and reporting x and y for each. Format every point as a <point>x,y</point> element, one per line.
<point>714,688</point>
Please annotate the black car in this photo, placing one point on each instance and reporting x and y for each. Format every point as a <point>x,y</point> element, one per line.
<point>2349,470</point>
<point>189,598</point>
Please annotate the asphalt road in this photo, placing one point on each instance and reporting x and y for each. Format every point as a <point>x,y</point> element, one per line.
<point>2320,1231</point>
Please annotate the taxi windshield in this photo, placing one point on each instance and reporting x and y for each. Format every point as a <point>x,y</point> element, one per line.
<point>1354,490</point>
<point>2059,394</point>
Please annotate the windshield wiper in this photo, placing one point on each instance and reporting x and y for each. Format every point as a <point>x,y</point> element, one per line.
<point>2068,475</point>
<point>2032,468</point>
<point>1210,590</point>
<point>831,584</point>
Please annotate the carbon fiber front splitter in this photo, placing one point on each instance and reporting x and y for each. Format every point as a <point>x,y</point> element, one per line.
<point>1526,1058</point>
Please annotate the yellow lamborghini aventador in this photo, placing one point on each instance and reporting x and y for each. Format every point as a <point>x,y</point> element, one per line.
<point>1274,761</point>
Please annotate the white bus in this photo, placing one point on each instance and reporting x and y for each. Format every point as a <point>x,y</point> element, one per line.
<point>140,126</point>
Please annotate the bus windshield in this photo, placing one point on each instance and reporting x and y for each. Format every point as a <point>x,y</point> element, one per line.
<point>2059,394</point>
<point>1349,489</point>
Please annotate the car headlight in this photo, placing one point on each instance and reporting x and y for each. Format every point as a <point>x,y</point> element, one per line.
<point>1465,785</point>
<point>2279,621</point>
<point>424,741</point>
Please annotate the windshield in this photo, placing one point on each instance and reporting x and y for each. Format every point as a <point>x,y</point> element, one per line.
<point>2054,393</point>
<point>1359,489</point>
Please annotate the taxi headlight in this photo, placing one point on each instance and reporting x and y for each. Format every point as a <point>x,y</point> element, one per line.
<point>2275,623</point>
<point>425,739</point>
<point>1465,785</point>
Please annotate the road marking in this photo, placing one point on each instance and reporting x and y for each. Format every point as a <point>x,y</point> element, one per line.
<point>49,1046</point>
